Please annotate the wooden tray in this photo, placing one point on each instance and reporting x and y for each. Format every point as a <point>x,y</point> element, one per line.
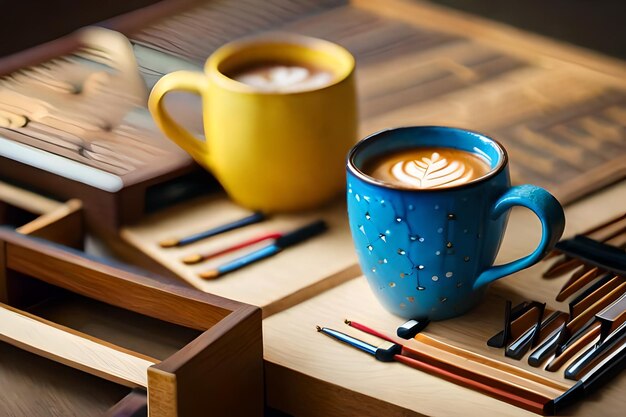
<point>195,353</point>
<point>297,273</point>
<point>308,374</point>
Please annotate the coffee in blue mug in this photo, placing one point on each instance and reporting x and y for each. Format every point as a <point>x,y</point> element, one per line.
<point>428,207</point>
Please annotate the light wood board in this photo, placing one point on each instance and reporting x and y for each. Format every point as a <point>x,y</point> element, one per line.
<point>27,200</point>
<point>57,221</point>
<point>273,284</point>
<point>73,348</point>
<point>308,374</point>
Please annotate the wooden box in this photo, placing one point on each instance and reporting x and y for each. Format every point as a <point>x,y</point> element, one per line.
<point>193,353</point>
<point>61,135</point>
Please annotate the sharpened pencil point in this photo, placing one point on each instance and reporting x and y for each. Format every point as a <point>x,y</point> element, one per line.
<point>318,328</point>
<point>192,259</point>
<point>168,243</point>
<point>348,322</point>
<point>212,274</point>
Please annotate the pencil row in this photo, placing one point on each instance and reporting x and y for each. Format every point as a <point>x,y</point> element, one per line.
<point>471,370</point>
<point>276,242</point>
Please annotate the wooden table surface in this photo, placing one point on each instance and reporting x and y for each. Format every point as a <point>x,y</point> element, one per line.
<point>557,108</point>
<point>308,374</point>
<point>274,284</point>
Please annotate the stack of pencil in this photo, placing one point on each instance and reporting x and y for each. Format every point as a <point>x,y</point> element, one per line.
<point>277,242</point>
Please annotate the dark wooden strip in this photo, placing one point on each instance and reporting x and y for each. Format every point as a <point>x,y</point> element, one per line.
<point>113,284</point>
<point>337,23</point>
<point>495,66</point>
<point>598,150</point>
<point>573,138</point>
<point>197,32</point>
<point>391,41</point>
<point>580,109</point>
<point>433,86</point>
<point>436,77</point>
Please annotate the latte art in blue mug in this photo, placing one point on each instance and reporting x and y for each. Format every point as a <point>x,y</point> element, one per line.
<point>425,168</point>
<point>428,207</point>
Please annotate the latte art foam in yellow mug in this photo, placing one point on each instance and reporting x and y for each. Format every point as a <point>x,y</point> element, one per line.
<point>428,168</point>
<point>283,77</point>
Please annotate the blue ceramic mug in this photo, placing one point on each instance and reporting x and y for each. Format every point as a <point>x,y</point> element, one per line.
<point>430,253</point>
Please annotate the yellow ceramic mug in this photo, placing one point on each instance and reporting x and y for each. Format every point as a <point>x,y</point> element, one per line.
<point>271,151</point>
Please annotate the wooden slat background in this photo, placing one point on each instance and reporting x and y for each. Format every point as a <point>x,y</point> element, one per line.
<point>565,128</point>
<point>195,33</point>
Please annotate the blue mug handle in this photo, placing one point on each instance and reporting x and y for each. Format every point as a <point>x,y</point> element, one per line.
<point>549,211</point>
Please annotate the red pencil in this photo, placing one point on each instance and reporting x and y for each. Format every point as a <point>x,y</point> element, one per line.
<point>197,258</point>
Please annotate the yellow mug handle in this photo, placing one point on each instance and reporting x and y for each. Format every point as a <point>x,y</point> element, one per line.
<point>186,81</point>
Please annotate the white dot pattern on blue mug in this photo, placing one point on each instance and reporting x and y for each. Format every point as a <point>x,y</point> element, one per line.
<point>382,235</point>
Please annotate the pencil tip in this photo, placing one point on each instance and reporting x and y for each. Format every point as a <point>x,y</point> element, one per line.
<point>318,328</point>
<point>192,259</point>
<point>168,243</point>
<point>348,322</point>
<point>212,274</point>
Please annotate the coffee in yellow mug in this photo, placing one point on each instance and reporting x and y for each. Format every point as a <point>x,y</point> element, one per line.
<point>279,117</point>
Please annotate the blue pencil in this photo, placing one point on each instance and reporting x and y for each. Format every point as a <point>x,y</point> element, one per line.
<point>253,218</point>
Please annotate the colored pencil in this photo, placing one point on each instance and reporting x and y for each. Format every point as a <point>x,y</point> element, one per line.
<point>201,257</point>
<point>237,224</point>
<point>390,351</point>
<point>288,239</point>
